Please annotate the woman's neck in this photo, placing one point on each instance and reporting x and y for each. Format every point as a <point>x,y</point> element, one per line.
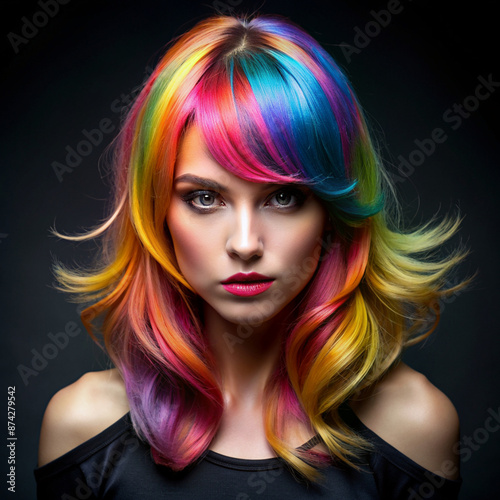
<point>246,355</point>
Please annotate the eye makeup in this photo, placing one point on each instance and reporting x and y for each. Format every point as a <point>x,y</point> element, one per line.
<point>284,198</point>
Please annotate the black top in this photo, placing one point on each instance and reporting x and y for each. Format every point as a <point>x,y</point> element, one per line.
<point>116,464</point>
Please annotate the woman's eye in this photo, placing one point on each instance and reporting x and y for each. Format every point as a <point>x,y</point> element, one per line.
<point>201,199</point>
<point>287,198</point>
<point>206,199</point>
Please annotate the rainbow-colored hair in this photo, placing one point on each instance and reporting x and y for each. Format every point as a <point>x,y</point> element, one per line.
<point>272,106</point>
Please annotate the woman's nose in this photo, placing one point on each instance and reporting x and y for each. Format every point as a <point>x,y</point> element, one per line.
<point>244,239</point>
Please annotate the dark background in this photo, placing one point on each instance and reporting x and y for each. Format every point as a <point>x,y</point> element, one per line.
<point>67,78</point>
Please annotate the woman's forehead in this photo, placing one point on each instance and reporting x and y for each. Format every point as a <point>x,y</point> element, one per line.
<point>196,166</point>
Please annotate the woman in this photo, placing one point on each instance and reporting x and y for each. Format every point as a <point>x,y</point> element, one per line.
<point>256,290</point>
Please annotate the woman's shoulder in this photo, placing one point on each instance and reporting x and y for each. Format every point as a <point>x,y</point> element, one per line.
<point>415,417</point>
<point>80,411</point>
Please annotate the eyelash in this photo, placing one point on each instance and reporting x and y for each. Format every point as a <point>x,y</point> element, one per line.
<point>299,195</point>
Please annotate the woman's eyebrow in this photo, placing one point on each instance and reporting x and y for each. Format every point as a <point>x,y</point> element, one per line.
<point>194,179</point>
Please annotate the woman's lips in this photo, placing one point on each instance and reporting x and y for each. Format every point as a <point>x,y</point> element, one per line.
<point>247,285</point>
<point>247,289</point>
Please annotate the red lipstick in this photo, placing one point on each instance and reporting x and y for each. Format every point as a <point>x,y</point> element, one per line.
<point>247,285</point>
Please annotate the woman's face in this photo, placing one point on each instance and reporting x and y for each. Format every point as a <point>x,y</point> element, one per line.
<point>248,249</point>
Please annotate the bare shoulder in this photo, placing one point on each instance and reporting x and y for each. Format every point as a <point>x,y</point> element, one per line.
<point>81,411</point>
<point>415,417</point>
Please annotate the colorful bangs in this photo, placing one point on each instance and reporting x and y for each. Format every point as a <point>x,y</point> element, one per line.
<point>271,116</point>
<point>269,111</point>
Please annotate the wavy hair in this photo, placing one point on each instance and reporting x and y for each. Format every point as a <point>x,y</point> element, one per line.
<point>272,106</point>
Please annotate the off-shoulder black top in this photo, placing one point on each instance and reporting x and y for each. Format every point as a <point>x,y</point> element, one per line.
<point>116,464</point>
